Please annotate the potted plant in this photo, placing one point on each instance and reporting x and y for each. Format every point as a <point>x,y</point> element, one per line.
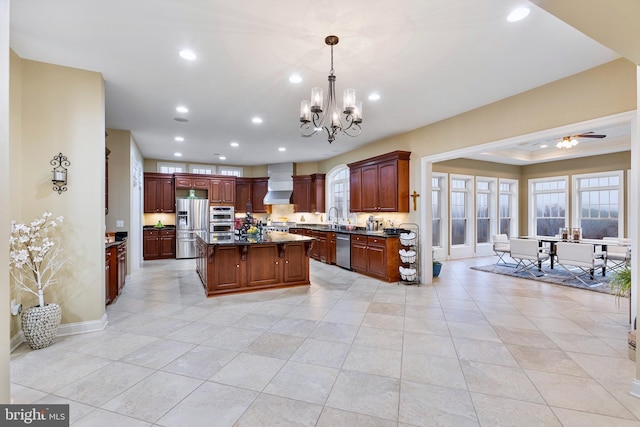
<point>34,261</point>
<point>620,285</point>
<point>437,266</point>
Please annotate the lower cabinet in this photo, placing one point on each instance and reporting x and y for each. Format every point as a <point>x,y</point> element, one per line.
<point>375,256</point>
<point>158,244</point>
<point>241,268</point>
<point>115,271</point>
<point>324,247</point>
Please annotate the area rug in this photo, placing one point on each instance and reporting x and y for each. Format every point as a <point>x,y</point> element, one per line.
<point>557,276</point>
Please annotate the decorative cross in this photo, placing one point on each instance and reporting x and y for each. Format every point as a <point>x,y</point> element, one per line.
<point>414,196</point>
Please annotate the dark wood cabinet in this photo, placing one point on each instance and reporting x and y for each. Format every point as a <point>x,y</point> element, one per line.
<point>295,268</point>
<point>259,188</point>
<point>254,190</point>
<point>228,274</point>
<point>189,181</point>
<point>158,244</point>
<point>380,184</point>
<point>222,190</point>
<point>331,248</point>
<point>324,246</point>
<point>159,195</point>
<point>263,266</point>
<point>309,193</point>
<point>106,179</point>
<point>375,256</point>
<point>115,270</point>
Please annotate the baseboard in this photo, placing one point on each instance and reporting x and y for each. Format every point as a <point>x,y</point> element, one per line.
<point>83,327</point>
<point>635,388</point>
<point>68,329</point>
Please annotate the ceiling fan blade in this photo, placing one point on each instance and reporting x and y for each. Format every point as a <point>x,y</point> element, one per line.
<point>589,135</point>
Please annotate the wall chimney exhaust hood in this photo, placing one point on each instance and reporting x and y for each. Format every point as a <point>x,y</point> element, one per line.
<point>280,187</point>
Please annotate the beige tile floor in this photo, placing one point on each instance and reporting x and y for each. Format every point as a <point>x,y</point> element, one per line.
<point>473,349</point>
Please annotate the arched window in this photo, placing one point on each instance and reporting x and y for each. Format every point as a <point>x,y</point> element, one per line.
<point>338,191</point>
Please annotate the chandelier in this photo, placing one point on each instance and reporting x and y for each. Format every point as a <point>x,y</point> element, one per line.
<point>317,116</point>
<point>567,142</point>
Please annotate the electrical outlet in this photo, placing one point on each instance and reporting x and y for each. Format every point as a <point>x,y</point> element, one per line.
<point>15,308</point>
<point>119,223</point>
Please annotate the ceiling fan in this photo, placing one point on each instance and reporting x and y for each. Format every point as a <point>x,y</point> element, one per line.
<point>572,141</point>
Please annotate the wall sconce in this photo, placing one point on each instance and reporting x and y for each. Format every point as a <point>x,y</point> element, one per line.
<point>59,173</point>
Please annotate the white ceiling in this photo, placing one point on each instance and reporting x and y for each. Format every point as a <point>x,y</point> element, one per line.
<point>428,59</point>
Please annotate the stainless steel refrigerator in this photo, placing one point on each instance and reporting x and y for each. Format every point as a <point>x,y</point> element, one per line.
<point>192,216</point>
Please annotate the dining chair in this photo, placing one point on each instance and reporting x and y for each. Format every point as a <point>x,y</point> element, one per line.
<point>617,257</point>
<point>581,256</point>
<point>501,247</point>
<point>528,254</point>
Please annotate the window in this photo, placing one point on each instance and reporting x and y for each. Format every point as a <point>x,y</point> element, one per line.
<point>338,190</point>
<point>230,171</point>
<point>598,204</point>
<point>548,205</point>
<point>459,211</point>
<point>202,169</point>
<point>168,167</point>
<point>484,210</point>
<point>507,207</point>
<point>438,183</point>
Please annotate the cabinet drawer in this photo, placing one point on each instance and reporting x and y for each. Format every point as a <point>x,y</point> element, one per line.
<point>377,241</point>
<point>357,238</point>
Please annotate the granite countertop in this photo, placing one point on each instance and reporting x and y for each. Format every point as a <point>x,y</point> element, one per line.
<point>153,227</point>
<point>342,229</point>
<point>266,237</point>
<point>110,244</point>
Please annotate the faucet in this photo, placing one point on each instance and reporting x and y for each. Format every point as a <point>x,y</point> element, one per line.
<point>329,213</point>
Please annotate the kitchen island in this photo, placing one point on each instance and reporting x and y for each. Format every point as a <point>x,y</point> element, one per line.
<point>272,260</point>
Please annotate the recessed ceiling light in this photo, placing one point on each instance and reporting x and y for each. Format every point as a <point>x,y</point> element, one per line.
<point>179,138</point>
<point>180,119</point>
<point>234,144</point>
<point>182,109</point>
<point>188,54</point>
<point>177,154</point>
<point>295,78</point>
<point>256,120</point>
<point>544,146</point>
<point>518,14</point>
<point>374,97</point>
<point>282,149</point>
<point>222,158</point>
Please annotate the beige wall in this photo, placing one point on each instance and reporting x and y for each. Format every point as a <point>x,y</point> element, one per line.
<point>119,142</point>
<point>61,110</point>
<point>5,214</point>
<point>478,168</point>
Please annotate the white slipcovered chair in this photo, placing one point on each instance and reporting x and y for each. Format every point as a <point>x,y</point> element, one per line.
<point>528,254</point>
<point>501,247</point>
<point>618,257</point>
<point>579,255</point>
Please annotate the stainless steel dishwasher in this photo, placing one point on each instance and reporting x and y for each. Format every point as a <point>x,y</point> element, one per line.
<point>343,250</point>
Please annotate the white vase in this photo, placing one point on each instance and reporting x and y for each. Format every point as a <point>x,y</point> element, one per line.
<point>40,325</point>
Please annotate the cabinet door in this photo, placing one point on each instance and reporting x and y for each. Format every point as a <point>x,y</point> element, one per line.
<point>359,253</point>
<point>321,246</point>
<point>243,195</point>
<point>107,258</point>
<point>370,188</point>
<point>151,191</point>
<point>296,266</point>
<point>376,257</point>
<point>301,197</point>
<point>167,244</point>
<point>150,245</point>
<point>263,265</point>
<point>183,183</point>
<point>355,189</point>
<point>229,192</point>
<point>122,266</point>
<point>168,198</point>
<point>331,248</point>
<point>388,186</point>
<point>318,192</point>
<point>259,188</point>
<point>200,183</point>
<point>228,275</point>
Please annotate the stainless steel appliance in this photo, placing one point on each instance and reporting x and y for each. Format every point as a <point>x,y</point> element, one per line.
<point>343,250</point>
<point>191,218</point>
<point>280,226</point>
<point>221,224</point>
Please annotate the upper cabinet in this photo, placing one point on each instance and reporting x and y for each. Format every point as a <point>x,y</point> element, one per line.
<point>308,193</point>
<point>190,181</point>
<point>380,184</point>
<point>253,190</point>
<point>222,190</point>
<point>159,195</point>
